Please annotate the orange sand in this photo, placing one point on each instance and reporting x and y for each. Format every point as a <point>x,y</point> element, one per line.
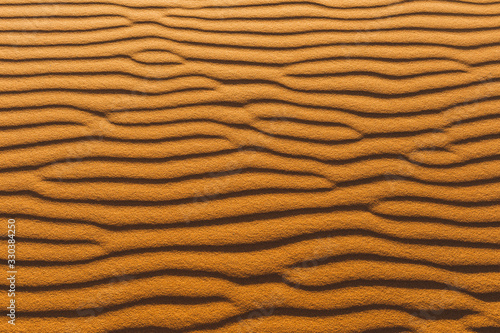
<point>252,165</point>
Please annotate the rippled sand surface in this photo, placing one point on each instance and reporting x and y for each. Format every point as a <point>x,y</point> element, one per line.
<point>252,166</point>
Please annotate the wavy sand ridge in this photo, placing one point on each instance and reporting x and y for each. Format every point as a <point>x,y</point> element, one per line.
<point>252,166</point>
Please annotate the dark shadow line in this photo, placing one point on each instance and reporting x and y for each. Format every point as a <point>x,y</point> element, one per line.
<point>376,74</point>
<point>475,119</point>
<point>480,138</point>
<point>265,245</point>
<point>105,91</point>
<point>424,219</point>
<point>168,78</point>
<point>99,309</point>
<point>25,240</point>
<point>249,63</point>
<point>332,18</point>
<point>449,314</point>
<point>396,177</point>
<point>254,279</point>
<point>206,175</point>
<point>312,3</point>
<point>41,124</point>
<point>415,198</point>
<point>254,47</point>
<point>169,202</point>
<point>97,138</point>
<point>302,32</point>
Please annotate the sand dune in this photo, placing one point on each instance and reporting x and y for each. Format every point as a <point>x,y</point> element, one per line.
<point>252,166</point>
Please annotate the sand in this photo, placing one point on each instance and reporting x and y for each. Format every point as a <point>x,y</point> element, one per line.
<point>251,166</point>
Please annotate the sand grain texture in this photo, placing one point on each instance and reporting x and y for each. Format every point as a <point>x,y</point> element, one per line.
<point>252,165</point>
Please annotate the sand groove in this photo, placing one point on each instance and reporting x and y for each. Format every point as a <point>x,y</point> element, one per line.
<point>252,165</point>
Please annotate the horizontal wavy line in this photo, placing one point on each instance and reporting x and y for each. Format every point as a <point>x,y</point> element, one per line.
<point>325,17</point>
<point>252,47</point>
<point>124,191</point>
<point>246,218</point>
<point>390,284</point>
<point>396,177</point>
<point>219,231</point>
<point>37,125</point>
<point>53,106</point>
<point>367,93</point>
<point>195,176</point>
<point>96,138</point>
<point>479,138</point>
<point>189,300</point>
<point>83,3</point>
<point>415,198</point>
<point>320,4</point>
<point>327,123</point>
<point>283,64</point>
<point>167,78</point>
<point>252,63</point>
<point>244,281</point>
<point>241,59</point>
<point>437,210</point>
<point>117,138</point>
<point>230,126</point>
<point>238,323</point>
<point>237,126</point>
<point>169,202</point>
<point>52,241</point>
<point>418,320</point>
<point>475,119</point>
<point>262,246</point>
<point>493,157</point>
<point>365,114</point>
<point>386,114</point>
<point>434,219</point>
<point>255,148</point>
<point>252,216</point>
<point>77,16</point>
<point>99,310</point>
<point>257,32</point>
<point>412,284</point>
<point>81,15</point>
<point>345,92</point>
<point>137,121</point>
<point>298,31</point>
<point>486,329</point>
<point>376,74</point>
<point>390,4</point>
<point>346,183</point>
<point>328,161</point>
<point>106,91</point>
<point>184,193</point>
<point>253,32</point>
<point>317,276</point>
<point>228,287</point>
<point>210,240</point>
<point>248,5</point>
<point>62,31</point>
<point>118,56</point>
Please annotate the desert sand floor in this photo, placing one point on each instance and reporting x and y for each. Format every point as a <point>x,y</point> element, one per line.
<point>249,166</point>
